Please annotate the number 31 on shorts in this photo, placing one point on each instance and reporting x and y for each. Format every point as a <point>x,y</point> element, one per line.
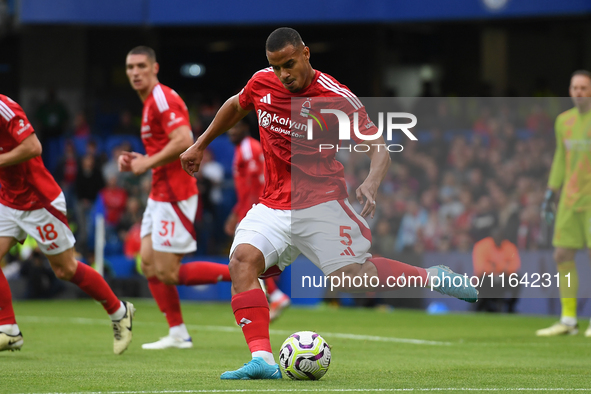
<point>165,225</point>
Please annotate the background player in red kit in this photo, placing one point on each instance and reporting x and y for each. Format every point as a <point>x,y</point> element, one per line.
<point>167,225</point>
<point>31,202</point>
<point>249,182</point>
<point>303,184</point>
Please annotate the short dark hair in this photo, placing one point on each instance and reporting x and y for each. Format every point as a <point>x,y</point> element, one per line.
<point>144,50</point>
<point>283,37</point>
<point>582,72</point>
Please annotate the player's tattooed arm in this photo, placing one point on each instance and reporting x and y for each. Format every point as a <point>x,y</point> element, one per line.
<point>380,161</point>
<point>29,148</point>
<point>228,115</point>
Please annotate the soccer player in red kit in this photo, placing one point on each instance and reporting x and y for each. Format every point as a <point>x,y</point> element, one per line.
<point>249,181</point>
<point>167,225</point>
<point>304,207</point>
<point>31,202</point>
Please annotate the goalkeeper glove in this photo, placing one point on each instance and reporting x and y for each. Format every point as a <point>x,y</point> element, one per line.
<point>549,207</point>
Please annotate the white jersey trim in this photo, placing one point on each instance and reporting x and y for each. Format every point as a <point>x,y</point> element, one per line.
<point>246,149</point>
<point>264,70</point>
<point>6,112</point>
<point>160,98</point>
<point>330,85</point>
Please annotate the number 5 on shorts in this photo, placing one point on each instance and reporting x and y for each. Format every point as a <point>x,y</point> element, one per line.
<point>343,234</point>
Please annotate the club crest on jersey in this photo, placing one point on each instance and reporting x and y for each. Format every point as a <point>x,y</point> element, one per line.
<point>264,118</point>
<point>306,106</point>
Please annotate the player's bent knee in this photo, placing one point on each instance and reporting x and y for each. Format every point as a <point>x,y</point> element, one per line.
<point>64,264</point>
<point>562,255</point>
<point>168,277</point>
<point>64,272</point>
<point>245,264</point>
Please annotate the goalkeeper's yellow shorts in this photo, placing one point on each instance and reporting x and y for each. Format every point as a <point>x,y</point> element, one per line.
<point>572,229</point>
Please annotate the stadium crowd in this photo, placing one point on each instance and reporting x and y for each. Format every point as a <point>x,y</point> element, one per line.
<point>478,164</point>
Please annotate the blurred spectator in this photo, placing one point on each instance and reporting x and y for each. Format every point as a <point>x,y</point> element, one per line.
<point>209,182</point>
<point>89,182</point>
<point>432,232</point>
<point>133,242</point>
<point>111,167</point>
<point>538,121</point>
<point>52,116</point>
<point>476,183</point>
<point>132,215</point>
<point>67,171</point>
<point>437,148</point>
<point>413,221</point>
<point>114,200</point>
<point>484,123</point>
<point>449,190</point>
<point>403,181</point>
<point>41,281</point>
<point>451,208</point>
<point>81,127</point>
<point>212,176</point>
<point>126,126</point>
<point>529,233</point>
<point>484,220</point>
<point>463,221</point>
<point>508,213</point>
<point>496,255</point>
<point>383,239</point>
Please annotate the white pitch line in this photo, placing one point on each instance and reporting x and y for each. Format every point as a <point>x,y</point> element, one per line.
<point>339,335</point>
<point>326,390</point>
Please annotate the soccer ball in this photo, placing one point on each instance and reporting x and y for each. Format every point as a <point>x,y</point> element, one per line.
<point>305,355</point>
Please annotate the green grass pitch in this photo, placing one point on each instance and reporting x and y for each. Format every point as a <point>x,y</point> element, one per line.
<point>68,348</point>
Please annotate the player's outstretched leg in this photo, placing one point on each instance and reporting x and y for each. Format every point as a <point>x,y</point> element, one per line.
<point>10,335</point>
<point>440,276</point>
<point>278,300</point>
<point>203,273</point>
<point>92,283</point>
<point>460,288</point>
<point>588,331</point>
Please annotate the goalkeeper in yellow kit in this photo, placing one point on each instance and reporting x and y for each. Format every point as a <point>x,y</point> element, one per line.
<point>571,171</point>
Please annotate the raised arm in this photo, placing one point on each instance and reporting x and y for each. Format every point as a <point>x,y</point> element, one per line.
<point>30,147</point>
<point>179,140</point>
<point>228,115</point>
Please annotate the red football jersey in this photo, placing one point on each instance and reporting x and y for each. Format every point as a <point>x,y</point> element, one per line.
<point>164,111</point>
<point>249,179</point>
<point>26,186</point>
<point>297,174</point>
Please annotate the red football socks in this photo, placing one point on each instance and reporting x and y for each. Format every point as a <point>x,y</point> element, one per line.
<point>202,273</point>
<point>251,311</point>
<point>167,298</point>
<point>394,269</point>
<point>271,286</point>
<point>93,284</point>
<point>6,311</point>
